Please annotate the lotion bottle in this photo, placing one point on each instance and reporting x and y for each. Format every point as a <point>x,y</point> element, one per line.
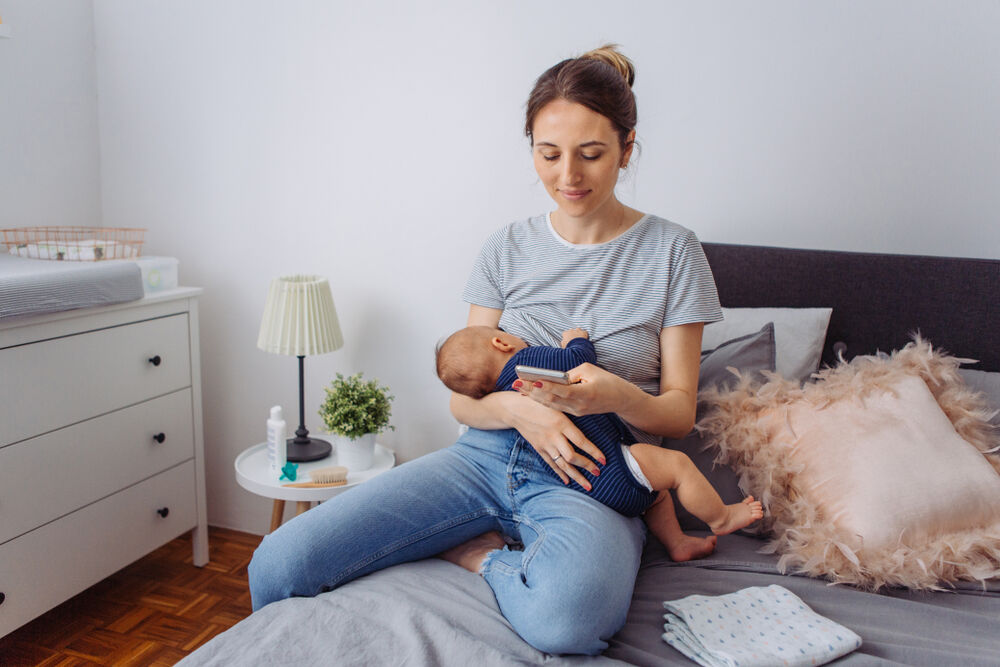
<point>276,447</point>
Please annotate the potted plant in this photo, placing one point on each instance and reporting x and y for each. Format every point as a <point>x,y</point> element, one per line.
<point>354,412</point>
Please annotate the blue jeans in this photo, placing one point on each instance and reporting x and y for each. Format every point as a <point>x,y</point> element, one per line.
<point>567,591</point>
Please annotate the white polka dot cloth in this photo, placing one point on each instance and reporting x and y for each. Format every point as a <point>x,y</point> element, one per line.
<point>755,626</point>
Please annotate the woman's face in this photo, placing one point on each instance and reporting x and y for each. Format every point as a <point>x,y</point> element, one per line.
<point>577,156</point>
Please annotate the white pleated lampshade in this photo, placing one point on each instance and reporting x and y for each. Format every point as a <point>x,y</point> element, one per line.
<point>299,317</point>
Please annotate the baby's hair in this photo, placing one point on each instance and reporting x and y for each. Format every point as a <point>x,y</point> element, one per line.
<point>457,366</point>
<point>600,80</point>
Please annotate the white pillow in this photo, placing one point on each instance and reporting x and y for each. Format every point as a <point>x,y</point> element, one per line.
<point>799,334</point>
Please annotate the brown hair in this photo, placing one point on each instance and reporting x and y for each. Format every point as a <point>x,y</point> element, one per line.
<point>600,80</point>
<point>457,366</point>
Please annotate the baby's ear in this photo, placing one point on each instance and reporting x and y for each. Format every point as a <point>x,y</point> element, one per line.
<point>500,344</point>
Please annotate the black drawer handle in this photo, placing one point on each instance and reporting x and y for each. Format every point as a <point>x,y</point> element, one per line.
<point>155,360</point>
<point>2,598</point>
<point>163,511</point>
<point>159,437</point>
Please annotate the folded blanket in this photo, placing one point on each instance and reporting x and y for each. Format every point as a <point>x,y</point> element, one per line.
<point>754,626</point>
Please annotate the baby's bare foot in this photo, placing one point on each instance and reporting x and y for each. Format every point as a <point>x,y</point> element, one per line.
<point>738,516</point>
<point>691,548</point>
<point>471,554</point>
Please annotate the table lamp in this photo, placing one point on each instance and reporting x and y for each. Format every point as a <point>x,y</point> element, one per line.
<point>300,319</point>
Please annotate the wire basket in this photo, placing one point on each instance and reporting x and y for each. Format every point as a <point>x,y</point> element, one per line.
<point>74,244</point>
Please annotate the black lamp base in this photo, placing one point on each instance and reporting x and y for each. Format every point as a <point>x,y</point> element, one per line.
<point>313,449</point>
<point>302,448</point>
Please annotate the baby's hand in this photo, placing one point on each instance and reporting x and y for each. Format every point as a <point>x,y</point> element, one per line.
<point>570,334</point>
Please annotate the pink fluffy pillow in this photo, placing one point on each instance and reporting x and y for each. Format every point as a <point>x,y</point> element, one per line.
<point>875,475</point>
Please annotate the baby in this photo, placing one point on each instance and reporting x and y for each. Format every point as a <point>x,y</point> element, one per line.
<point>478,360</point>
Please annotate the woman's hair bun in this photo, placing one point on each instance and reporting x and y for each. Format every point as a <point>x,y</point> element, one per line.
<point>609,54</point>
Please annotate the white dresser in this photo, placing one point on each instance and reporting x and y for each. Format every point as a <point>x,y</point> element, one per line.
<point>101,451</point>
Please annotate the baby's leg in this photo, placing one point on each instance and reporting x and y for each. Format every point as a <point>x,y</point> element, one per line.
<point>669,469</point>
<point>661,519</point>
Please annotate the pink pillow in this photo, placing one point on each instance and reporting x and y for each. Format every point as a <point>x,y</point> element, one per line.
<point>874,475</point>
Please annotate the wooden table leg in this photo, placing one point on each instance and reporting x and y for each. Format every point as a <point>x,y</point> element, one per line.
<point>277,514</point>
<point>301,506</point>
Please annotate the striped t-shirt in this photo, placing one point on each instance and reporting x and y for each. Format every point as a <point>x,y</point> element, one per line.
<point>622,292</point>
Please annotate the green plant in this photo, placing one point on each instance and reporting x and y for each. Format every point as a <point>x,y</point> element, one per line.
<point>354,407</point>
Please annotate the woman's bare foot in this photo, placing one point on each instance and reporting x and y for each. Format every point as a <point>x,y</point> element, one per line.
<point>471,554</point>
<point>739,515</point>
<point>690,548</point>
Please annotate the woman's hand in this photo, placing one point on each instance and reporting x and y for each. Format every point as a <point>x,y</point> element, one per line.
<point>553,435</point>
<point>594,391</point>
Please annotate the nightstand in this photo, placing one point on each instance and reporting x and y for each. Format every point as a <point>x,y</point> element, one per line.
<point>255,475</point>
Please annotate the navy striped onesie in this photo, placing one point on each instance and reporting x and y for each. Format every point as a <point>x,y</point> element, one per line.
<point>616,487</point>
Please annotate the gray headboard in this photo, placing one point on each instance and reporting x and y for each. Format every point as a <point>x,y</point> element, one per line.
<point>877,299</point>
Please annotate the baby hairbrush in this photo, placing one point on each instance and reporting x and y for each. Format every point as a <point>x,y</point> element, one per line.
<point>322,477</point>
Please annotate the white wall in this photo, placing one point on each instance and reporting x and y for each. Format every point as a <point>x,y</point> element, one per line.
<point>378,143</point>
<point>49,160</point>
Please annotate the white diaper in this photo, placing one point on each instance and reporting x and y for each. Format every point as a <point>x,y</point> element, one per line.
<point>633,466</point>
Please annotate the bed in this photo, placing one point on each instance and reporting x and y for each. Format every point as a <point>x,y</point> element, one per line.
<point>433,613</point>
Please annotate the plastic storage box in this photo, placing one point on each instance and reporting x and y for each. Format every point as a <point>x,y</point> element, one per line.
<point>158,273</point>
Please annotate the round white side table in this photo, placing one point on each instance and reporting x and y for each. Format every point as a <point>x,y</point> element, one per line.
<point>254,474</point>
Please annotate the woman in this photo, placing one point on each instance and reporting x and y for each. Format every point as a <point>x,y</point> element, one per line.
<point>643,289</point>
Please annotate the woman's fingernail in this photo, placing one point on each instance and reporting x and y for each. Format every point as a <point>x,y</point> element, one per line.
<point>517,384</point>
<point>596,473</point>
<point>538,384</point>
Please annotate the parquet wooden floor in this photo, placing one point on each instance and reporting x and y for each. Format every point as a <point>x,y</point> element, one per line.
<point>153,612</point>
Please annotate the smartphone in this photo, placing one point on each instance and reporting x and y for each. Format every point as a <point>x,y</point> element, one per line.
<point>531,373</point>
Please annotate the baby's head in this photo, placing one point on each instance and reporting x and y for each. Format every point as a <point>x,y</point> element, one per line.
<point>470,360</point>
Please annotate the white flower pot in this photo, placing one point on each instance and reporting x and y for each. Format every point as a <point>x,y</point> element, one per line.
<point>355,454</point>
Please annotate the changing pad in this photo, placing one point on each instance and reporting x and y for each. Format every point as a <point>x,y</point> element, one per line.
<point>34,286</point>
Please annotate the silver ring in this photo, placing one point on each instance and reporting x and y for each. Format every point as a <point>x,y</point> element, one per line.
<point>556,457</point>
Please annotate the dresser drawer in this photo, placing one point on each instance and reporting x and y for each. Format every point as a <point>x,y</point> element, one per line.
<point>54,383</point>
<point>52,563</point>
<point>43,478</point>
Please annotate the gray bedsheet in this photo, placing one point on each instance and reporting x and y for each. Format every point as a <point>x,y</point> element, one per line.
<point>434,613</point>
<point>35,286</point>
<point>960,627</point>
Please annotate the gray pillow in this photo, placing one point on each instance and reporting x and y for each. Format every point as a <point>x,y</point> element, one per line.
<point>750,354</point>
<point>986,383</point>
